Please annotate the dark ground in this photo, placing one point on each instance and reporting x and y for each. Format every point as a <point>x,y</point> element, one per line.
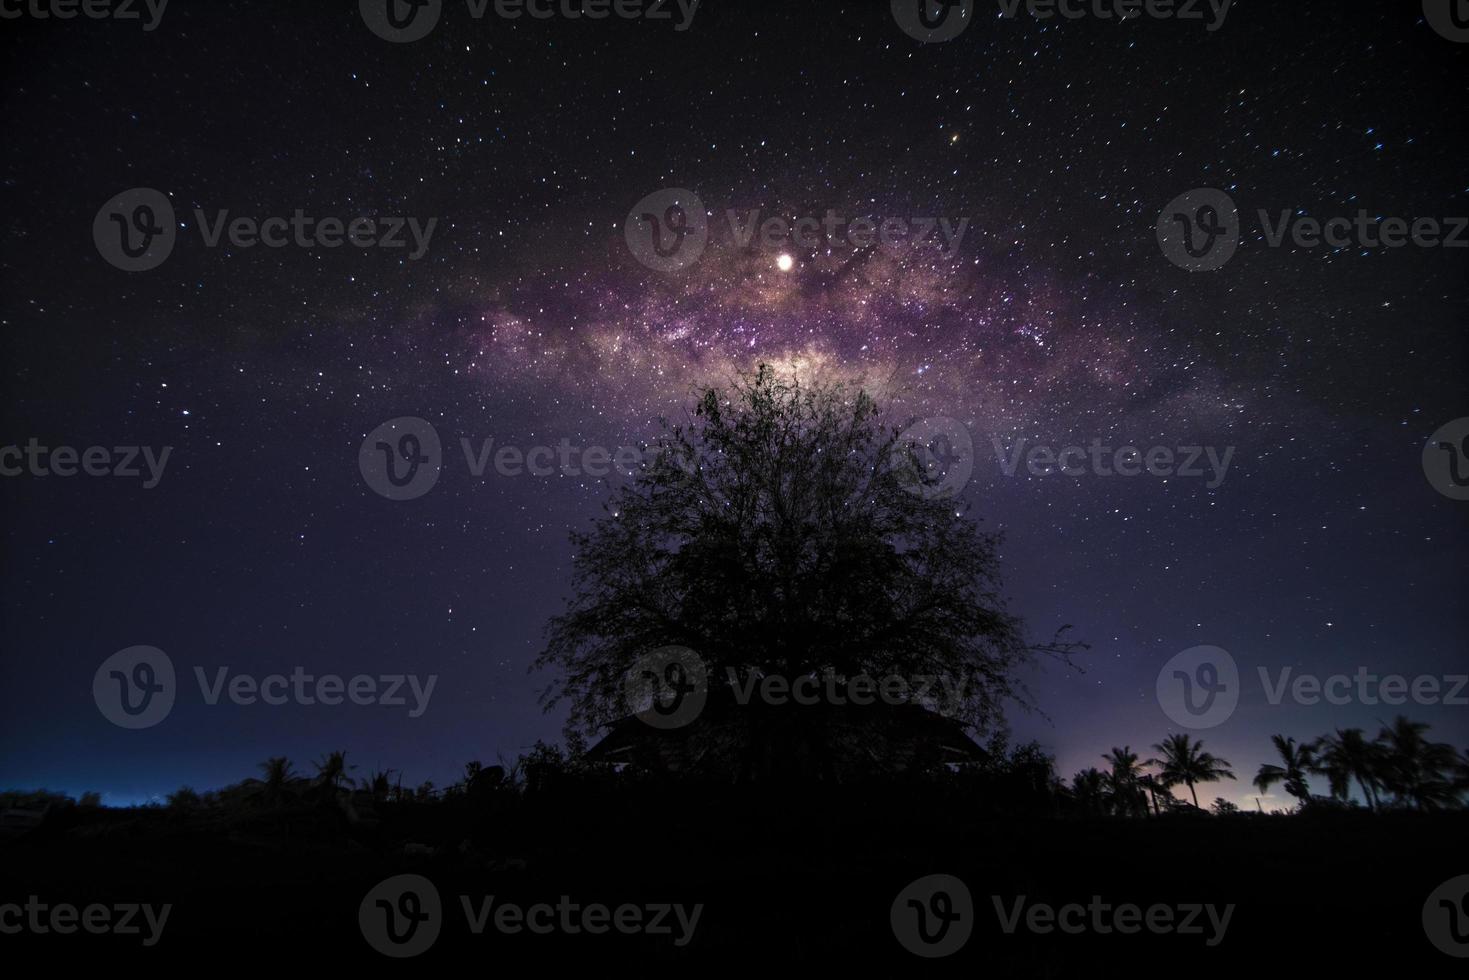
<point>783,881</point>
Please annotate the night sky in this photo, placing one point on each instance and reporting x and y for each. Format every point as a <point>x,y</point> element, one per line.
<point>1057,320</point>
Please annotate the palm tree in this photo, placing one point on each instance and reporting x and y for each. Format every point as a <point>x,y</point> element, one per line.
<point>1414,769</point>
<point>331,771</point>
<point>1152,784</point>
<point>278,775</point>
<point>1185,761</point>
<point>1297,760</point>
<point>1089,788</point>
<point>1124,778</point>
<point>379,785</point>
<point>1345,756</point>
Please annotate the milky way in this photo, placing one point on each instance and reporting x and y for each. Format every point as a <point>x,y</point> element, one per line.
<point>1055,320</point>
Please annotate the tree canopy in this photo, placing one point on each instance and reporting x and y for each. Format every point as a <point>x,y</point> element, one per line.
<point>786,529</point>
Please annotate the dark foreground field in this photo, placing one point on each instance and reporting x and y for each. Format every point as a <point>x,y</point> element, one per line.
<point>785,879</point>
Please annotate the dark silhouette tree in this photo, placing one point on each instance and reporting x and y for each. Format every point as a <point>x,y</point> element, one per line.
<point>278,775</point>
<point>784,530</point>
<point>379,785</point>
<point>1345,756</point>
<point>1461,772</point>
<point>1185,761</point>
<point>1089,791</point>
<point>1418,773</point>
<point>1124,781</point>
<point>185,798</point>
<point>332,773</point>
<point>1153,784</point>
<point>1296,761</point>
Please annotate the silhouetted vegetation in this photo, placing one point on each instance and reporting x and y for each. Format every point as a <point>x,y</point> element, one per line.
<point>777,534</point>
<point>1400,771</point>
<point>785,531</point>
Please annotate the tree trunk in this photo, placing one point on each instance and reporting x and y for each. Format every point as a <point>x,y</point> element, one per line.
<point>1195,794</point>
<point>1367,794</point>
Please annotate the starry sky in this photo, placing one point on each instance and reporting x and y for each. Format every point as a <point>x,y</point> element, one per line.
<point>1055,320</point>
